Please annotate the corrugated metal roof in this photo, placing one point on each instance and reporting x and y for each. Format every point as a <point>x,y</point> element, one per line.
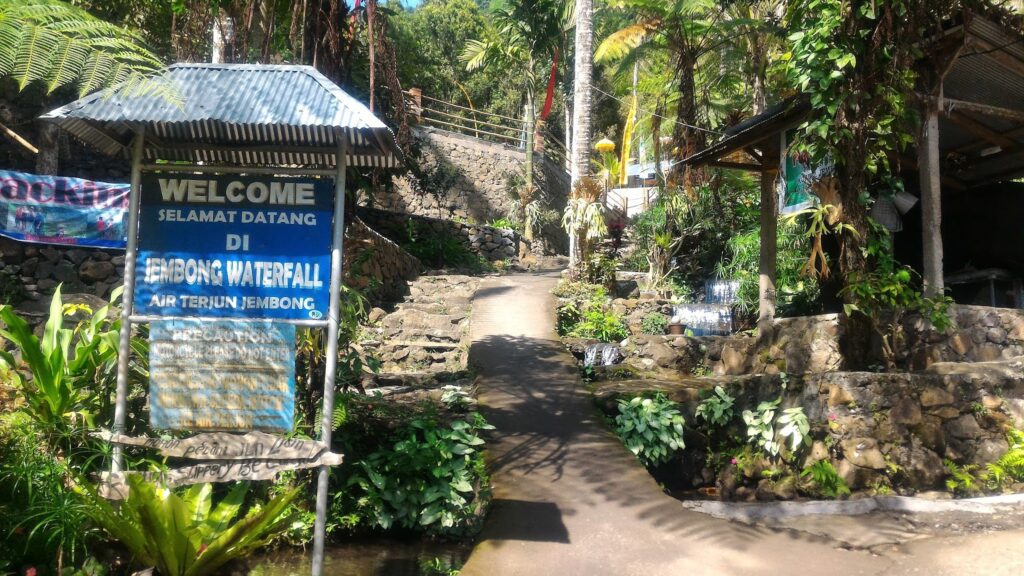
<point>236,114</point>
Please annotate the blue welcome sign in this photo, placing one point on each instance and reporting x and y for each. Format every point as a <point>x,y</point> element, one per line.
<point>234,247</point>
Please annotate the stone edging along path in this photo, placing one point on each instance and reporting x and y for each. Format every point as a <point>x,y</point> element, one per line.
<point>744,511</point>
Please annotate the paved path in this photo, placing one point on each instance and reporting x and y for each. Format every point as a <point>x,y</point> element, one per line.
<point>568,498</point>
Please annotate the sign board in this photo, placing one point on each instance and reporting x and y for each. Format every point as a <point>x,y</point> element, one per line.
<point>58,210</point>
<point>234,247</point>
<point>223,446</point>
<point>222,375</point>
<point>113,486</point>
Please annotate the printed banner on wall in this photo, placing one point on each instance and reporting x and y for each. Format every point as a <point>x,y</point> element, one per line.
<point>59,210</point>
<point>222,375</point>
<point>234,247</point>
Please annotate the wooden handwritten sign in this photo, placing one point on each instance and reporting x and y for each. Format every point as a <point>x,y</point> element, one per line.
<point>114,486</point>
<point>224,446</point>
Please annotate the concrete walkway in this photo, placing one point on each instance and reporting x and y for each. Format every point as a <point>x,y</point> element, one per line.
<point>568,498</point>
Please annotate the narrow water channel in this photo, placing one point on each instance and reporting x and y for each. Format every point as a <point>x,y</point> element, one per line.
<point>377,557</point>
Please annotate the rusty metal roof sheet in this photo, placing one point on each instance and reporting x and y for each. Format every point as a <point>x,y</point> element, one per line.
<point>236,114</point>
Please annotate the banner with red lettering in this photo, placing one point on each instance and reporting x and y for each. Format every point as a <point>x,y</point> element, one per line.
<point>59,210</point>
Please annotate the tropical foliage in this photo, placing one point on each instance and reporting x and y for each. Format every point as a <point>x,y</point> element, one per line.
<point>185,535</point>
<point>651,428</point>
<point>58,44</point>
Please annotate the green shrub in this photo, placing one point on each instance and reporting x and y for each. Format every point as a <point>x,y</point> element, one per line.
<point>507,224</point>
<point>598,269</point>
<point>601,325</point>
<point>716,409</point>
<point>826,480</point>
<point>654,323</point>
<point>436,250</point>
<point>652,428</point>
<point>65,364</point>
<point>41,521</point>
<point>184,535</point>
<point>585,313</point>
<point>431,477</point>
<point>966,480</point>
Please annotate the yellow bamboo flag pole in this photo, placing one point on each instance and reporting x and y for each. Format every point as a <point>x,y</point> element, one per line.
<point>627,140</point>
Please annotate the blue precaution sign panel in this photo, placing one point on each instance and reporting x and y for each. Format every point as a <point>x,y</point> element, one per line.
<point>234,247</point>
<point>222,375</point>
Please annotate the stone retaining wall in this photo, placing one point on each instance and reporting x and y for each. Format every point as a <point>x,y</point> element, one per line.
<point>799,345</point>
<point>33,271</point>
<point>980,333</point>
<point>808,344</point>
<point>487,241</point>
<point>377,266</point>
<point>879,430</point>
<point>475,174</point>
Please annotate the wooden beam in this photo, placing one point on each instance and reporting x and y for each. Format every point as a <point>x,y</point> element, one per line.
<point>981,144</point>
<point>951,104</point>
<point>980,130</point>
<point>931,203</point>
<point>1009,174</point>
<point>735,165</point>
<point>754,154</point>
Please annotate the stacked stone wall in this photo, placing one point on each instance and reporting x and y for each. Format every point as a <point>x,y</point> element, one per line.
<point>487,241</point>
<point>879,430</point>
<point>476,180</point>
<point>813,344</point>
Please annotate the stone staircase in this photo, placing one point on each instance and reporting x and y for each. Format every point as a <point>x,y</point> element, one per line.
<point>428,333</point>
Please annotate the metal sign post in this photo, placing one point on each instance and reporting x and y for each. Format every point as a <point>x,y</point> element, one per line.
<point>127,298</point>
<point>331,364</point>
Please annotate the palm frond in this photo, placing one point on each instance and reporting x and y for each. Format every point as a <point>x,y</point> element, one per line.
<point>621,42</point>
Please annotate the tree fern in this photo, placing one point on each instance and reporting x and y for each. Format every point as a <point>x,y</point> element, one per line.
<point>58,44</point>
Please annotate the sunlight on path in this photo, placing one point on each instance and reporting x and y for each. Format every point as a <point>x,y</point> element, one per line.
<point>568,498</point>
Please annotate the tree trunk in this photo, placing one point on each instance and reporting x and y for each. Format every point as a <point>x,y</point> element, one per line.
<point>531,122</point>
<point>659,111</point>
<point>48,159</point>
<point>582,71</point>
<point>687,139</point>
<point>579,146</point>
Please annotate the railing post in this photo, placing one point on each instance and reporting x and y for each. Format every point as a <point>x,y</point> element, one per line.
<point>417,103</point>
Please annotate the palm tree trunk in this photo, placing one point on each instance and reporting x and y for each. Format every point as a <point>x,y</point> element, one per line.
<point>582,77</point>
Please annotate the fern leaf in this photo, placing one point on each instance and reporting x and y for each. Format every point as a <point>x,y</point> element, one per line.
<point>32,60</point>
<point>66,63</point>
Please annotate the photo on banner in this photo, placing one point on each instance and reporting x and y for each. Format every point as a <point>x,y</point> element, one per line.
<point>63,211</point>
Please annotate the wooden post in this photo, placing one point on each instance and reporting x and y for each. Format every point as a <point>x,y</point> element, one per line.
<point>931,202</point>
<point>417,103</point>
<point>769,248</point>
